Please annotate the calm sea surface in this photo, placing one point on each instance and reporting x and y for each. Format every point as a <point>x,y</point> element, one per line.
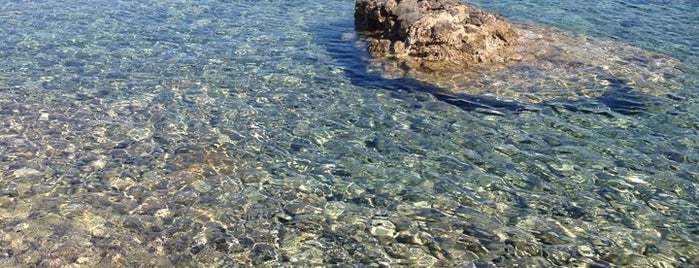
<point>248,133</point>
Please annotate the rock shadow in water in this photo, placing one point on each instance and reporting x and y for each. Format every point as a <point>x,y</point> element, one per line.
<point>347,48</point>
<point>341,43</point>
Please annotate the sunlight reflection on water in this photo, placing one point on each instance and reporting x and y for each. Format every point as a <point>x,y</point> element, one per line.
<point>234,133</point>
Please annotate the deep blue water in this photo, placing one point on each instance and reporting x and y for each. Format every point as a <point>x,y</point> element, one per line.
<point>247,133</point>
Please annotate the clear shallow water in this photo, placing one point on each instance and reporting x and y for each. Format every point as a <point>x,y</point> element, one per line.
<point>241,133</point>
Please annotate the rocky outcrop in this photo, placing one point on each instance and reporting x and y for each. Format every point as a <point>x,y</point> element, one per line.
<point>551,64</point>
<point>464,50</point>
<point>435,33</point>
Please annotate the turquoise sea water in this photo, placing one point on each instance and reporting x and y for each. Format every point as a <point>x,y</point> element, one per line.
<point>248,133</point>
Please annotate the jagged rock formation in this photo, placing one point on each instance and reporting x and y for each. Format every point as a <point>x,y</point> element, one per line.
<point>435,33</point>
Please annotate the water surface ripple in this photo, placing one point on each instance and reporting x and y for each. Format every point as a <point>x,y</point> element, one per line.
<point>249,133</point>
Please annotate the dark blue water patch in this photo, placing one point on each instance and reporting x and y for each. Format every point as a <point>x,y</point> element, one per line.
<point>481,104</point>
<point>624,103</point>
<point>485,104</point>
<point>616,100</point>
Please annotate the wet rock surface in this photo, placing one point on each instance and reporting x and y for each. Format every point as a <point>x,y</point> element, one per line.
<point>435,34</point>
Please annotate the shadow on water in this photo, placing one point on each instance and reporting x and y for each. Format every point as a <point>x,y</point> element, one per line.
<point>619,97</point>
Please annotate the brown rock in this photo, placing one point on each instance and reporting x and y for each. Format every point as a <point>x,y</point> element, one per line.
<point>435,33</point>
<point>464,50</point>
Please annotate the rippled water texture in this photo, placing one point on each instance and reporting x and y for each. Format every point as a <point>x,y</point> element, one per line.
<point>250,133</point>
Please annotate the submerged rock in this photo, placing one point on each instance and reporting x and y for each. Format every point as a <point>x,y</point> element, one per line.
<point>425,40</point>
